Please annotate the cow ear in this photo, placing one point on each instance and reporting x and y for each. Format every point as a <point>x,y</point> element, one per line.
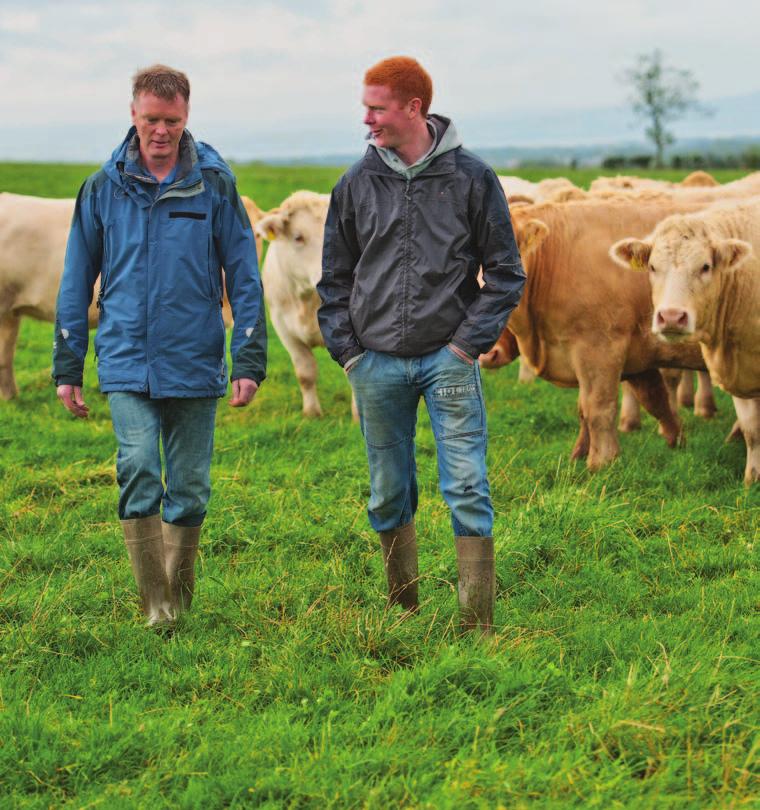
<point>519,199</point>
<point>631,253</point>
<point>530,235</point>
<point>272,225</point>
<point>729,254</point>
<point>253,211</point>
<point>568,195</point>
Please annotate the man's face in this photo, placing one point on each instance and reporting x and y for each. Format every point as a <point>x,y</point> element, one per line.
<point>160,124</point>
<point>389,121</point>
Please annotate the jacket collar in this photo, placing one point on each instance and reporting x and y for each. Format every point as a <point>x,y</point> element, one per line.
<point>443,164</point>
<point>188,169</point>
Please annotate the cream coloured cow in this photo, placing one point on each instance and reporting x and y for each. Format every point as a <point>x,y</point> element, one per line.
<point>520,192</point>
<point>580,322</point>
<point>622,182</point>
<point>292,268</point>
<point>33,236</point>
<point>704,270</point>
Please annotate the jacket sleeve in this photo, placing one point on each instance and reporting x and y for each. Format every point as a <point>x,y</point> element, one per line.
<point>236,247</point>
<point>340,255</point>
<point>84,253</point>
<point>503,272</point>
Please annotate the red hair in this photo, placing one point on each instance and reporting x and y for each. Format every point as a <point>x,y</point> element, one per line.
<point>405,77</point>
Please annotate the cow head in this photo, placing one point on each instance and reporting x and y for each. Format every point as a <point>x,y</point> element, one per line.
<point>297,228</point>
<point>685,266</point>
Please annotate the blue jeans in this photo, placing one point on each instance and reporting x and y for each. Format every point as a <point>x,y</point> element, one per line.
<point>185,427</point>
<point>388,390</point>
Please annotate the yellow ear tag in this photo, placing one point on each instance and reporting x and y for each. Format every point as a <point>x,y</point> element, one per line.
<point>637,264</point>
<point>271,235</point>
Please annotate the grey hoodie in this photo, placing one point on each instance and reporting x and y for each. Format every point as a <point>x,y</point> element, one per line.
<point>445,138</point>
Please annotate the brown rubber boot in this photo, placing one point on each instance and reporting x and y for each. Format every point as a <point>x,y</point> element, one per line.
<point>180,551</point>
<point>145,545</point>
<point>477,583</point>
<point>400,560</point>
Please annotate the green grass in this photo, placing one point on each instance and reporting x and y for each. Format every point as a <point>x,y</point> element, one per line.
<point>624,673</point>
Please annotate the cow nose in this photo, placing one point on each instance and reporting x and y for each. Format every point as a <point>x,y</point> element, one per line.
<point>672,319</point>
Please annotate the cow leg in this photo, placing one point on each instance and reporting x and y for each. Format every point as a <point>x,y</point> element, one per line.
<point>748,416</point>
<point>735,434</point>
<point>580,450</point>
<point>9,325</point>
<point>526,375</point>
<point>598,379</point>
<point>656,398</point>
<point>685,392</point>
<point>304,365</point>
<point>630,412</point>
<point>704,402</point>
<point>672,379</point>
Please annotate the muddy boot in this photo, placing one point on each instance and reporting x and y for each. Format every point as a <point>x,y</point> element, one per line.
<point>145,545</point>
<point>477,583</point>
<point>180,550</point>
<point>400,560</point>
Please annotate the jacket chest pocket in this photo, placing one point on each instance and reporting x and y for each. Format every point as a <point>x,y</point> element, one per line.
<point>188,233</point>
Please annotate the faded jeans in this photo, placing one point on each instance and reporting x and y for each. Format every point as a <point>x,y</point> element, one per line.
<point>185,427</point>
<point>388,390</point>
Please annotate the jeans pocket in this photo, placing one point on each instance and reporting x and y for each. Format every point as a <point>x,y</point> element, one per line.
<point>356,362</point>
<point>458,357</point>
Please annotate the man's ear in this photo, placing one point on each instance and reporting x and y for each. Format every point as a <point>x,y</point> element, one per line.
<point>633,253</point>
<point>415,107</point>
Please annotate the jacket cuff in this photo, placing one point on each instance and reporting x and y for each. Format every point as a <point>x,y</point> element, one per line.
<point>257,377</point>
<point>354,351</point>
<point>466,347</point>
<point>65,379</point>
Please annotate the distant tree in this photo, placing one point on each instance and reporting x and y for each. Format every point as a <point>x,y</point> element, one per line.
<point>661,94</point>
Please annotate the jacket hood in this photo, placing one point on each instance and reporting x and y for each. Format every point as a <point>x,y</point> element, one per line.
<point>193,157</point>
<point>446,139</point>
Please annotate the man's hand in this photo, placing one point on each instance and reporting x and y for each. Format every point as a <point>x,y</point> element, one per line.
<point>71,397</point>
<point>243,391</point>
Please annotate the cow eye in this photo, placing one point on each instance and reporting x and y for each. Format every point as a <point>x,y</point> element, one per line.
<point>299,239</point>
<point>705,268</point>
<point>651,269</point>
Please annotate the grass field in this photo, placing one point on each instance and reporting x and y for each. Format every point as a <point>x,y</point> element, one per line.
<point>624,672</point>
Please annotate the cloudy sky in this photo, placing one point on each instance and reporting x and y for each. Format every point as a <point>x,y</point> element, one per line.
<point>284,78</point>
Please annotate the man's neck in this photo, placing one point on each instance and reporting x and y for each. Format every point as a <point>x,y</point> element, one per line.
<point>160,169</point>
<point>418,146</point>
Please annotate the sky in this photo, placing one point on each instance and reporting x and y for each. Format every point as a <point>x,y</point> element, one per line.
<point>280,79</point>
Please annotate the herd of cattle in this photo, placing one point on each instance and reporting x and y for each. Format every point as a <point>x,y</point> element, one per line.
<point>589,316</point>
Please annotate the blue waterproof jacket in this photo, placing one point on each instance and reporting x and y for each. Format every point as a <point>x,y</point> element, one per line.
<point>159,253</point>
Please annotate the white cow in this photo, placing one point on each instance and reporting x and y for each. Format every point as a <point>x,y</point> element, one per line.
<point>520,192</point>
<point>292,268</point>
<point>33,236</point>
<point>705,274</point>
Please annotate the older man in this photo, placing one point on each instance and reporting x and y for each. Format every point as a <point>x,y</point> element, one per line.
<point>156,223</point>
<point>408,228</point>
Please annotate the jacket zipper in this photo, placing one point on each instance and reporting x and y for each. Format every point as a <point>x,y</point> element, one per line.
<point>407,251</point>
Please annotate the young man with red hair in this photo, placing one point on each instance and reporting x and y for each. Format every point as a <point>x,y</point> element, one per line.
<point>408,229</point>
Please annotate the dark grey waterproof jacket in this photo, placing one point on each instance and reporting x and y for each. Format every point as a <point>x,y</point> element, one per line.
<point>401,259</point>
